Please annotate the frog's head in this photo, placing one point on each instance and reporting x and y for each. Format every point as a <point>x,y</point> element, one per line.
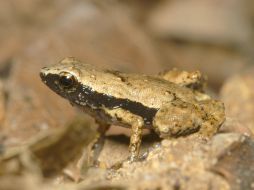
<point>65,79</point>
<point>61,78</point>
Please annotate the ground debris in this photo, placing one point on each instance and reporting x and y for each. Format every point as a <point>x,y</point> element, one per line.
<point>187,163</point>
<point>238,95</point>
<point>48,153</point>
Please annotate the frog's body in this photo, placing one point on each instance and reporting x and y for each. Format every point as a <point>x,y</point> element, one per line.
<point>135,101</point>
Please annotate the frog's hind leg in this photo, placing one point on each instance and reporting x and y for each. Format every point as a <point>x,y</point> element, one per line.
<point>193,80</point>
<point>177,118</point>
<point>180,118</point>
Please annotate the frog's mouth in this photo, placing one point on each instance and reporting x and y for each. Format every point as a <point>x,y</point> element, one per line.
<point>49,80</point>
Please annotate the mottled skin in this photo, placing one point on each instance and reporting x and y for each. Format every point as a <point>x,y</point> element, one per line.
<point>161,103</point>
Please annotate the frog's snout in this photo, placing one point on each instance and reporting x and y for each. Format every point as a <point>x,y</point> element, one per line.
<point>42,75</point>
<point>44,72</point>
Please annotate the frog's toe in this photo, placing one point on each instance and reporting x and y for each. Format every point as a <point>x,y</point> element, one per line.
<point>132,159</point>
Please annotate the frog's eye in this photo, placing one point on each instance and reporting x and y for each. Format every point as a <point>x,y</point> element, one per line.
<point>67,80</point>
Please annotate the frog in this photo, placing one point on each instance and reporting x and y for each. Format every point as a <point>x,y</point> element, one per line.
<point>163,103</point>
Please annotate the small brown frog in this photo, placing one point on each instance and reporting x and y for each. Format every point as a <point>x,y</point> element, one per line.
<point>169,104</point>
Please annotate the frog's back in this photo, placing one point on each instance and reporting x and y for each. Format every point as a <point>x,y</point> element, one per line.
<point>151,91</point>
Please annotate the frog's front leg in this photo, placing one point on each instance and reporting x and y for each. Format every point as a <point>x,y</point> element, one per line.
<point>135,140</point>
<point>177,118</point>
<point>136,122</point>
<point>96,146</point>
<point>92,152</point>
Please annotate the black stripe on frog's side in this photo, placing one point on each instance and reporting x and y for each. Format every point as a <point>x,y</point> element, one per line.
<point>85,96</point>
<point>99,100</point>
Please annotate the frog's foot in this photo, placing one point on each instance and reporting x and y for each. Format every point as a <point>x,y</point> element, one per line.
<point>129,160</point>
<point>132,159</point>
